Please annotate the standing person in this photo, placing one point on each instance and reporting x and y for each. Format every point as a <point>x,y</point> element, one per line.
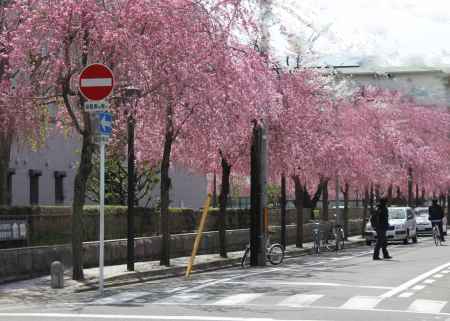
<point>436,214</point>
<point>380,222</point>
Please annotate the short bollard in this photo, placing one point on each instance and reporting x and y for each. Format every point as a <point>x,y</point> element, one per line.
<point>57,274</point>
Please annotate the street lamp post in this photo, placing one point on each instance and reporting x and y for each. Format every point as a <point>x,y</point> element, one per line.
<point>130,94</point>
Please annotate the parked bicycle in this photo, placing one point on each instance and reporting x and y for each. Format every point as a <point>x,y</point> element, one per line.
<point>338,236</point>
<point>436,233</point>
<point>274,254</point>
<point>332,241</point>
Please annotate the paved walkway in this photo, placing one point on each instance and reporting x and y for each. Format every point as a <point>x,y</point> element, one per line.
<point>118,275</point>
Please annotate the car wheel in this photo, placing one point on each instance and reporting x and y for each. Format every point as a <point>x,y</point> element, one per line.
<point>368,243</point>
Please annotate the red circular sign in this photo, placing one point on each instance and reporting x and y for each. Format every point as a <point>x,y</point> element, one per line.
<point>96,82</point>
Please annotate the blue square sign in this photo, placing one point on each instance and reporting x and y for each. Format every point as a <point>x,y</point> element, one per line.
<point>105,124</point>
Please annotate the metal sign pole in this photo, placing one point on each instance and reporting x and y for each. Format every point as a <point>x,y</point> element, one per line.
<point>102,215</point>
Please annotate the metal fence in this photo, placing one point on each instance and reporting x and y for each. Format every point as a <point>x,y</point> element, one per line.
<point>13,230</point>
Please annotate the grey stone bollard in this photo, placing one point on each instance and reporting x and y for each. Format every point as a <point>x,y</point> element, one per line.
<point>57,274</point>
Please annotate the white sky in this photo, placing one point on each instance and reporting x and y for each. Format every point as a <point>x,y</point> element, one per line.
<point>382,32</point>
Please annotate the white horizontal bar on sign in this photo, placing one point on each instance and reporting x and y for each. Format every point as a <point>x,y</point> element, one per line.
<point>96,82</point>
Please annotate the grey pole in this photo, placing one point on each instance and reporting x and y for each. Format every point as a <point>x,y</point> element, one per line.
<point>258,196</point>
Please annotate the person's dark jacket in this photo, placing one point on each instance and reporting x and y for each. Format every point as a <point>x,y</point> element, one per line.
<point>382,218</point>
<point>435,212</point>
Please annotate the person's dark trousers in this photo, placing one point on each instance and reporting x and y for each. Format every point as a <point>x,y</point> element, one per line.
<point>381,244</point>
<point>441,231</point>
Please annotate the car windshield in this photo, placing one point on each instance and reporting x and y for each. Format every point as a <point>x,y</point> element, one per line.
<point>421,212</point>
<point>396,213</point>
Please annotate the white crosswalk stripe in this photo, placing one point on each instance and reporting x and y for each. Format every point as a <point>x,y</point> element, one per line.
<point>427,306</point>
<point>239,299</point>
<point>361,302</point>
<point>300,300</point>
<point>120,298</point>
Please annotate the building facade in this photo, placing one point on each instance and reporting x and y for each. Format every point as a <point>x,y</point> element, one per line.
<point>46,176</point>
<point>426,85</point>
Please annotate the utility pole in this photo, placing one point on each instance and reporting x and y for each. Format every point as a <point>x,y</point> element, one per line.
<point>130,194</point>
<point>258,196</point>
<point>283,211</point>
<point>131,95</point>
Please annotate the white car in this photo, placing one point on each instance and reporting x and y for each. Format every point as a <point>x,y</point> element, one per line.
<point>424,224</point>
<point>402,226</point>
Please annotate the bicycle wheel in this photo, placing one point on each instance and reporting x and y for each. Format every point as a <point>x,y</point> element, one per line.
<point>245,261</point>
<point>342,240</point>
<point>316,245</point>
<point>276,254</point>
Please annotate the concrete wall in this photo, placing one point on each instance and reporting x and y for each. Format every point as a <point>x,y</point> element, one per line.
<point>52,225</point>
<point>33,261</point>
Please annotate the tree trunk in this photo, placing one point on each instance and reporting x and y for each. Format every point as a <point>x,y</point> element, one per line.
<point>410,187</point>
<point>448,206</point>
<point>5,155</point>
<point>377,192</point>
<point>346,200</point>
<point>417,195</point>
<point>390,194</point>
<point>214,194</point>
<point>299,208</point>
<point>283,211</point>
<point>165,199</point>
<point>224,192</point>
<point>365,204</point>
<point>83,172</point>
<point>371,199</point>
<point>324,213</point>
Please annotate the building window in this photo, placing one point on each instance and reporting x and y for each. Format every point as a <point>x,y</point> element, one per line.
<point>59,187</point>
<point>9,186</point>
<point>34,186</point>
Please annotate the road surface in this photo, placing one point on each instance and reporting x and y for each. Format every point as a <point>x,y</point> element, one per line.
<point>415,285</point>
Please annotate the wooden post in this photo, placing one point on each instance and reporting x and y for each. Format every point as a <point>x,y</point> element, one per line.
<point>199,236</point>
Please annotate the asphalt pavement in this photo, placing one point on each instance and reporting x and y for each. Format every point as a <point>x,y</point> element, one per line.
<point>349,285</point>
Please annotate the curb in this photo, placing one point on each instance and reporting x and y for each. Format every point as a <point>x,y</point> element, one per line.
<point>139,277</point>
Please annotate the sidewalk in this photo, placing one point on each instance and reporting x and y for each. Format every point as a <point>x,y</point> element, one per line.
<point>144,271</point>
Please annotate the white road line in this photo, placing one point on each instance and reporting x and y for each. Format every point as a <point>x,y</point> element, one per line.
<point>135,317</point>
<point>418,287</point>
<point>438,276</point>
<point>414,281</point>
<point>208,284</point>
<point>361,303</point>
<point>300,300</point>
<point>427,306</point>
<point>238,299</point>
<point>406,294</point>
<point>120,298</point>
<point>429,281</point>
<point>446,271</point>
<point>279,282</point>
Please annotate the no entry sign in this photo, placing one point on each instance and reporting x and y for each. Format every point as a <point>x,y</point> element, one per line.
<point>96,82</point>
